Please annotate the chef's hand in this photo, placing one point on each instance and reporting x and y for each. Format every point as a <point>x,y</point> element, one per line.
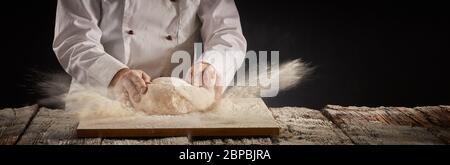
<point>129,83</point>
<point>204,75</point>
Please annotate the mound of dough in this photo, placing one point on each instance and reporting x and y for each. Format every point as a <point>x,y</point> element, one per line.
<point>172,96</point>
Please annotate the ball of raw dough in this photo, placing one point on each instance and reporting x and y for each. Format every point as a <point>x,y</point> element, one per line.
<point>172,96</point>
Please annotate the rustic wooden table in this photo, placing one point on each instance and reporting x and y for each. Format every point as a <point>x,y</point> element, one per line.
<point>331,125</point>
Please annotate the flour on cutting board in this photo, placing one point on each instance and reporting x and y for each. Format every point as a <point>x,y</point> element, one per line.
<point>92,106</point>
<point>236,113</point>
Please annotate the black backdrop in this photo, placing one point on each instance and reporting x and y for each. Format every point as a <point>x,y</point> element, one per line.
<point>365,53</point>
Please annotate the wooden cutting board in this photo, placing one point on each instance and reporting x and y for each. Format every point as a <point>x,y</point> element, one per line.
<point>237,117</point>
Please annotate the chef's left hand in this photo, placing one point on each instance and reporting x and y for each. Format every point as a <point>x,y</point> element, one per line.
<point>204,75</point>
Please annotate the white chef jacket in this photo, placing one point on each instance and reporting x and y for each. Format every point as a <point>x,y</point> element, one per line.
<point>94,39</point>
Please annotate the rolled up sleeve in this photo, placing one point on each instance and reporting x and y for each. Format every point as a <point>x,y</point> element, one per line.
<point>224,44</point>
<point>77,43</point>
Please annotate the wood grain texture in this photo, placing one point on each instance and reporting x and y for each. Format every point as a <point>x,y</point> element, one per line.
<point>232,141</point>
<point>54,126</point>
<point>246,117</point>
<point>438,118</point>
<point>307,126</point>
<point>13,122</point>
<point>148,141</point>
<point>382,125</point>
<point>335,125</point>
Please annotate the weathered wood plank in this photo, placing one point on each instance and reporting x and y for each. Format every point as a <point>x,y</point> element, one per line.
<point>439,121</point>
<point>232,141</point>
<point>382,125</point>
<point>307,126</point>
<point>151,141</point>
<point>54,126</point>
<point>13,122</point>
<point>436,115</point>
<point>361,125</point>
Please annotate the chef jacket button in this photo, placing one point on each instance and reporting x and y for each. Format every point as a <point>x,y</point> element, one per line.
<point>169,37</point>
<point>130,32</point>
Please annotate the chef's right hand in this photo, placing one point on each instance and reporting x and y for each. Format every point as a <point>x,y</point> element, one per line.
<point>129,84</point>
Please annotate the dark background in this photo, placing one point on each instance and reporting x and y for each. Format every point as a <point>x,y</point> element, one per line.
<point>365,53</point>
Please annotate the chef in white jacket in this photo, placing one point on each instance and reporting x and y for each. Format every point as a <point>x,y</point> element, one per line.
<point>123,44</point>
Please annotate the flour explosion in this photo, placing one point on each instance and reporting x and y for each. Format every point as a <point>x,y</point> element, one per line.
<point>173,96</point>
